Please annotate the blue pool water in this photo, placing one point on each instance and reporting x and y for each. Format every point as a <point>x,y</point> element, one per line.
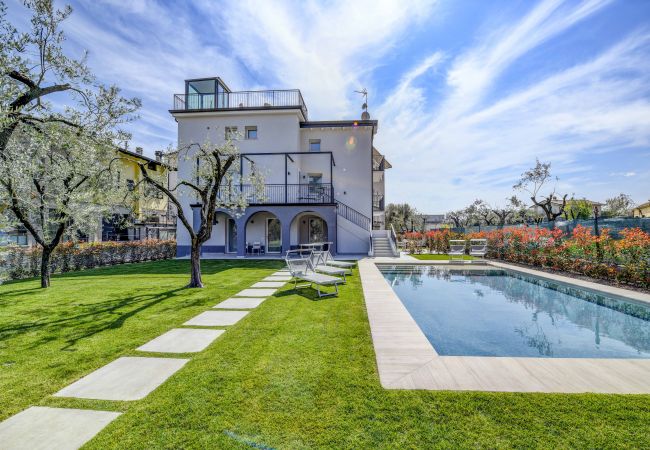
<point>494,312</point>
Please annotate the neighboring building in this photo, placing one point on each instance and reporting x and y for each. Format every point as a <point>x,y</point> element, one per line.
<point>434,222</point>
<point>379,166</point>
<point>643,210</point>
<point>152,216</point>
<point>319,174</point>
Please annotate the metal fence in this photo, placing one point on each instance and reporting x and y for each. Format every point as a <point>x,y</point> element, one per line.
<point>614,225</point>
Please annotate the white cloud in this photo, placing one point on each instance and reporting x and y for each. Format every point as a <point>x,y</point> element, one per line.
<point>475,143</point>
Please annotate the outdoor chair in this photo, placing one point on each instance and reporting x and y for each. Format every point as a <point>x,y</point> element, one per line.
<point>317,261</point>
<point>301,268</point>
<point>478,247</point>
<point>257,246</point>
<point>328,259</point>
<point>457,249</point>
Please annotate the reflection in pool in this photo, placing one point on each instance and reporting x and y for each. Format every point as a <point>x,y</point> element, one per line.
<point>494,312</point>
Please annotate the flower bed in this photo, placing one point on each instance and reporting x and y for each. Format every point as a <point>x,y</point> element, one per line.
<point>624,260</point>
<point>18,262</point>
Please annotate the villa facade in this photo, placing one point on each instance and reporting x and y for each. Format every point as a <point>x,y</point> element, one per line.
<point>320,176</point>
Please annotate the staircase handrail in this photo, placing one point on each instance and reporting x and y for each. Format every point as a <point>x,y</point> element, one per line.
<point>393,240</point>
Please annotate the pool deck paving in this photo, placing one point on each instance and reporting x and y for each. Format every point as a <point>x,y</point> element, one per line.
<point>407,360</point>
<point>43,428</point>
<point>181,340</point>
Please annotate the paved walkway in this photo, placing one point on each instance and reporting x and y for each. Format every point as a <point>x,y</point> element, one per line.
<point>129,378</point>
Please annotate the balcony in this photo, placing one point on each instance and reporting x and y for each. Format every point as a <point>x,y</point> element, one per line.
<point>285,194</point>
<point>231,101</point>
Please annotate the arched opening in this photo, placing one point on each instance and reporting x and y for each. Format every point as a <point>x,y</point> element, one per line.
<point>307,228</point>
<point>263,233</point>
<point>224,234</point>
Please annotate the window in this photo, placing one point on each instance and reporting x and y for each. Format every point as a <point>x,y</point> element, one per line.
<point>251,132</point>
<point>314,145</point>
<point>130,185</point>
<point>231,132</point>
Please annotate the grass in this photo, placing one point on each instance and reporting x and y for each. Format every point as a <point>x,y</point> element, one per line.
<point>437,257</point>
<point>295,373</point>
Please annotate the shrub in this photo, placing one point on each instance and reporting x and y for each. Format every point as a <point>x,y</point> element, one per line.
<point>18,262</point>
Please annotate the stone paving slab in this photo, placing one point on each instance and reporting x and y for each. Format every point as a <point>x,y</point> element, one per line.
<point>240,303</point>
<point>126,378</point>
<point>282,272</point>
<point>41,428</point>
<point>256,293</point>
<point>278,278</point>
<point>269,284</point>
<point>216,318</point>
<point>181,340</point>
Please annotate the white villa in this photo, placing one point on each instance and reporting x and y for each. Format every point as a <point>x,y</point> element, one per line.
<point>324,180</point>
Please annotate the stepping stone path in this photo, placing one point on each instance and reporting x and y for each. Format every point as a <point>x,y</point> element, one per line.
<point>48,428</point>
<point>240,303</point>
<point>278,278</point>
<point>269,284</point>
<point>217,318</point>
<point>126,378</point>
<point>256,293</point>
<point>181,340</point>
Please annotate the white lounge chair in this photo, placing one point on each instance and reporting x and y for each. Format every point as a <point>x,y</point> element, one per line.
<point>457,249</point>
<point>301,268</point>
<point>328,259</point>
<point>478,247</point>
<point>317,261</point>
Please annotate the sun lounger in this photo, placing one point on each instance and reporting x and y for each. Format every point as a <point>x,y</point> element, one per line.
<point>301,268</point>
<point>478,247</point>
<point>317,259</point>
<point>328,260</point>
<point>457,249</point>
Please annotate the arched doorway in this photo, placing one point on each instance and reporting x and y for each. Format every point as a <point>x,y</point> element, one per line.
<point>308,227</point>
<point>263,233</point>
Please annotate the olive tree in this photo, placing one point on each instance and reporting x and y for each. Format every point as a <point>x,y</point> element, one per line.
<point>53,156</point>
<point>535,182</point>
<point>214,183</point>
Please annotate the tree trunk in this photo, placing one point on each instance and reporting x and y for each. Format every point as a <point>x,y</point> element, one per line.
<point>195,266</point>
<point>45,267</point>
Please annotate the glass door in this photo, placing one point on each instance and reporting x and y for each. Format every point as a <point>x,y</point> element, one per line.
<point>231,236</point>
<point>273,236</point>
<point>317,231</point>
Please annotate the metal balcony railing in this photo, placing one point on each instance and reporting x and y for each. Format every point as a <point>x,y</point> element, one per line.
<point>280,194</point>
<point>242,99</point>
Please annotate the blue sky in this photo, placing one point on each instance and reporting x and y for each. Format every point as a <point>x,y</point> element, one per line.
<point>467,93</point>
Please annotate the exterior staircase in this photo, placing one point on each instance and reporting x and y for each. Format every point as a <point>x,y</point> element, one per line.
<point>382,245</point>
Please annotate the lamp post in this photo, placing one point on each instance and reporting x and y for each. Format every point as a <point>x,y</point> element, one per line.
<point>596,212</point>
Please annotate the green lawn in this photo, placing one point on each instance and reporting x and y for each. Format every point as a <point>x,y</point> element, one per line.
<point>436,257</point>
<point>295,373</point>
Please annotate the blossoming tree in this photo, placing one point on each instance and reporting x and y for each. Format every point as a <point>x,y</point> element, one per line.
<point>54,158</point>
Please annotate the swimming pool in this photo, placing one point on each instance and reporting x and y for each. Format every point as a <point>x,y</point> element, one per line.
<point>497,312</point>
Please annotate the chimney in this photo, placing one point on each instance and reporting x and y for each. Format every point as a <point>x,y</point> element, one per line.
<point>138,150</point>
<point>158,155</point>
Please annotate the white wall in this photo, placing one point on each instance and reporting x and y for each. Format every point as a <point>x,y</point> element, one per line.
<point>279,131</point>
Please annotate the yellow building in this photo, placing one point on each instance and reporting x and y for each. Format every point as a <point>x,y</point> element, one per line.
<point>642,210</point>
<point>151,215</point>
